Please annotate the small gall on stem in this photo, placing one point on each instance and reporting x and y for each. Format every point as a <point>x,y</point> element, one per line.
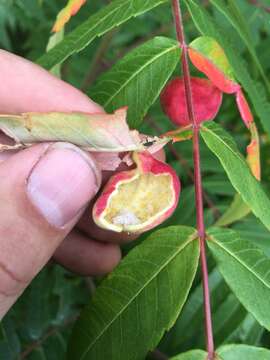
<point>207,99</point>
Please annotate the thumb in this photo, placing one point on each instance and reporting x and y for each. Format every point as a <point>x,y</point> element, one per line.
<point>43,192</point>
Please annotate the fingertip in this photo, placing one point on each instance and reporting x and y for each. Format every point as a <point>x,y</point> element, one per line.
<point>87,257</point>
<point>28,87</point>
<point>111,258</point>
<point>62,183</point>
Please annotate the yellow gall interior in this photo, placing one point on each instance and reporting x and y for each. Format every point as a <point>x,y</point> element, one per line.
<point>140,200</point>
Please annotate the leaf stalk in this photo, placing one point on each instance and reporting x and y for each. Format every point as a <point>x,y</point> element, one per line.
<point>197,176</point>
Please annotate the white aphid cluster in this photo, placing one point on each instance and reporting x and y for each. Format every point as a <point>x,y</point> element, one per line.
<point>126,217</point>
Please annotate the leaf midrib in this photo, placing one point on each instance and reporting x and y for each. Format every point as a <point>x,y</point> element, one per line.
<point>191,238</point>
<point>235,153</point>
<point>239,261</point>
<point>152,60</point>
<point>80,37</point>
<point>95,25</point>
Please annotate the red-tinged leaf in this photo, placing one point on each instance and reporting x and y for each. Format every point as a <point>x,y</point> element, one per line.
<point>181,134</point>
<point>244,108</point>
<point>107,161</point>
<point>207,99</point>
<point>253,152</point>
<point>252,158</point>
<point>72,7</point>
<point>209,57</point>
<point>92,132</point>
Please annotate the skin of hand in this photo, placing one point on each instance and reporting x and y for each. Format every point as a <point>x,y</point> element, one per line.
<point>47,190</point>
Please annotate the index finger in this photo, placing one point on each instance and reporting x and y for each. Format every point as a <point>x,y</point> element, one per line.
<point>26,87</point>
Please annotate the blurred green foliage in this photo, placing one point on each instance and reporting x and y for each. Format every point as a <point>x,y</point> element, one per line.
<point>39,324</point>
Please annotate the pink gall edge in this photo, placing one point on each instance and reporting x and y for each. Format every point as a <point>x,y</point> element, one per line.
<point>137,200</point>
<point>207,100</point>
<point>217,77</point>
<point>111,186</point>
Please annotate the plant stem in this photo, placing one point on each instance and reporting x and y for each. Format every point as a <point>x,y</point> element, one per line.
<point>52,331</point>
<point>197,176</point>
<point>158,355</point>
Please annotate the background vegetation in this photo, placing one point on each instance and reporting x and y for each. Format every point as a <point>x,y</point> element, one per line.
<point>39,325</point>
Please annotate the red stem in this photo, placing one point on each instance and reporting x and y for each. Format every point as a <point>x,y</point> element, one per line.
<point>197,177</point>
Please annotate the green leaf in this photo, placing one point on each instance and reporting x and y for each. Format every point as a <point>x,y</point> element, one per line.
<point>10,345</point>
<point>224,326</point>
<point>254,231</point>
<point>209,27</point>
<point>235,165</point>
<point>185,214</point>
<point>232,12</point>
<point>228,352</point>
<point>218,185</point>
<point>55,347</point>
<point>249,332</point>
<point>2,332</point>
<point>110,16</point>
<point>54,39</point>
<point>37,354</point>
<point>140,300</point>
<point>246,270</point>
<point>192,313</point>
<point>235,212</point>
<point>245,352</point>
<point>137,79</point>
<point>191,355</point>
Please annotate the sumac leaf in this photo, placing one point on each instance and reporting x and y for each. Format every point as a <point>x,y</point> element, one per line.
<point>238,171</point>
<point>93,132</point>
<point>245,352</point>
<point>246,270</point>
<point>191,355</point>
<point>228,352</point>
<point>137,79</point>
<point>142,298</point>
<point>114,14</point>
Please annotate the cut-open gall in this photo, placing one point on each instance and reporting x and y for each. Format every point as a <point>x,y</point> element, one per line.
<point>207,99</point>
<point>137,200</point>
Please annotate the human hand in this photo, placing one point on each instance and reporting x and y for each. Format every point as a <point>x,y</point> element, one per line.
<point>47,189</point>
